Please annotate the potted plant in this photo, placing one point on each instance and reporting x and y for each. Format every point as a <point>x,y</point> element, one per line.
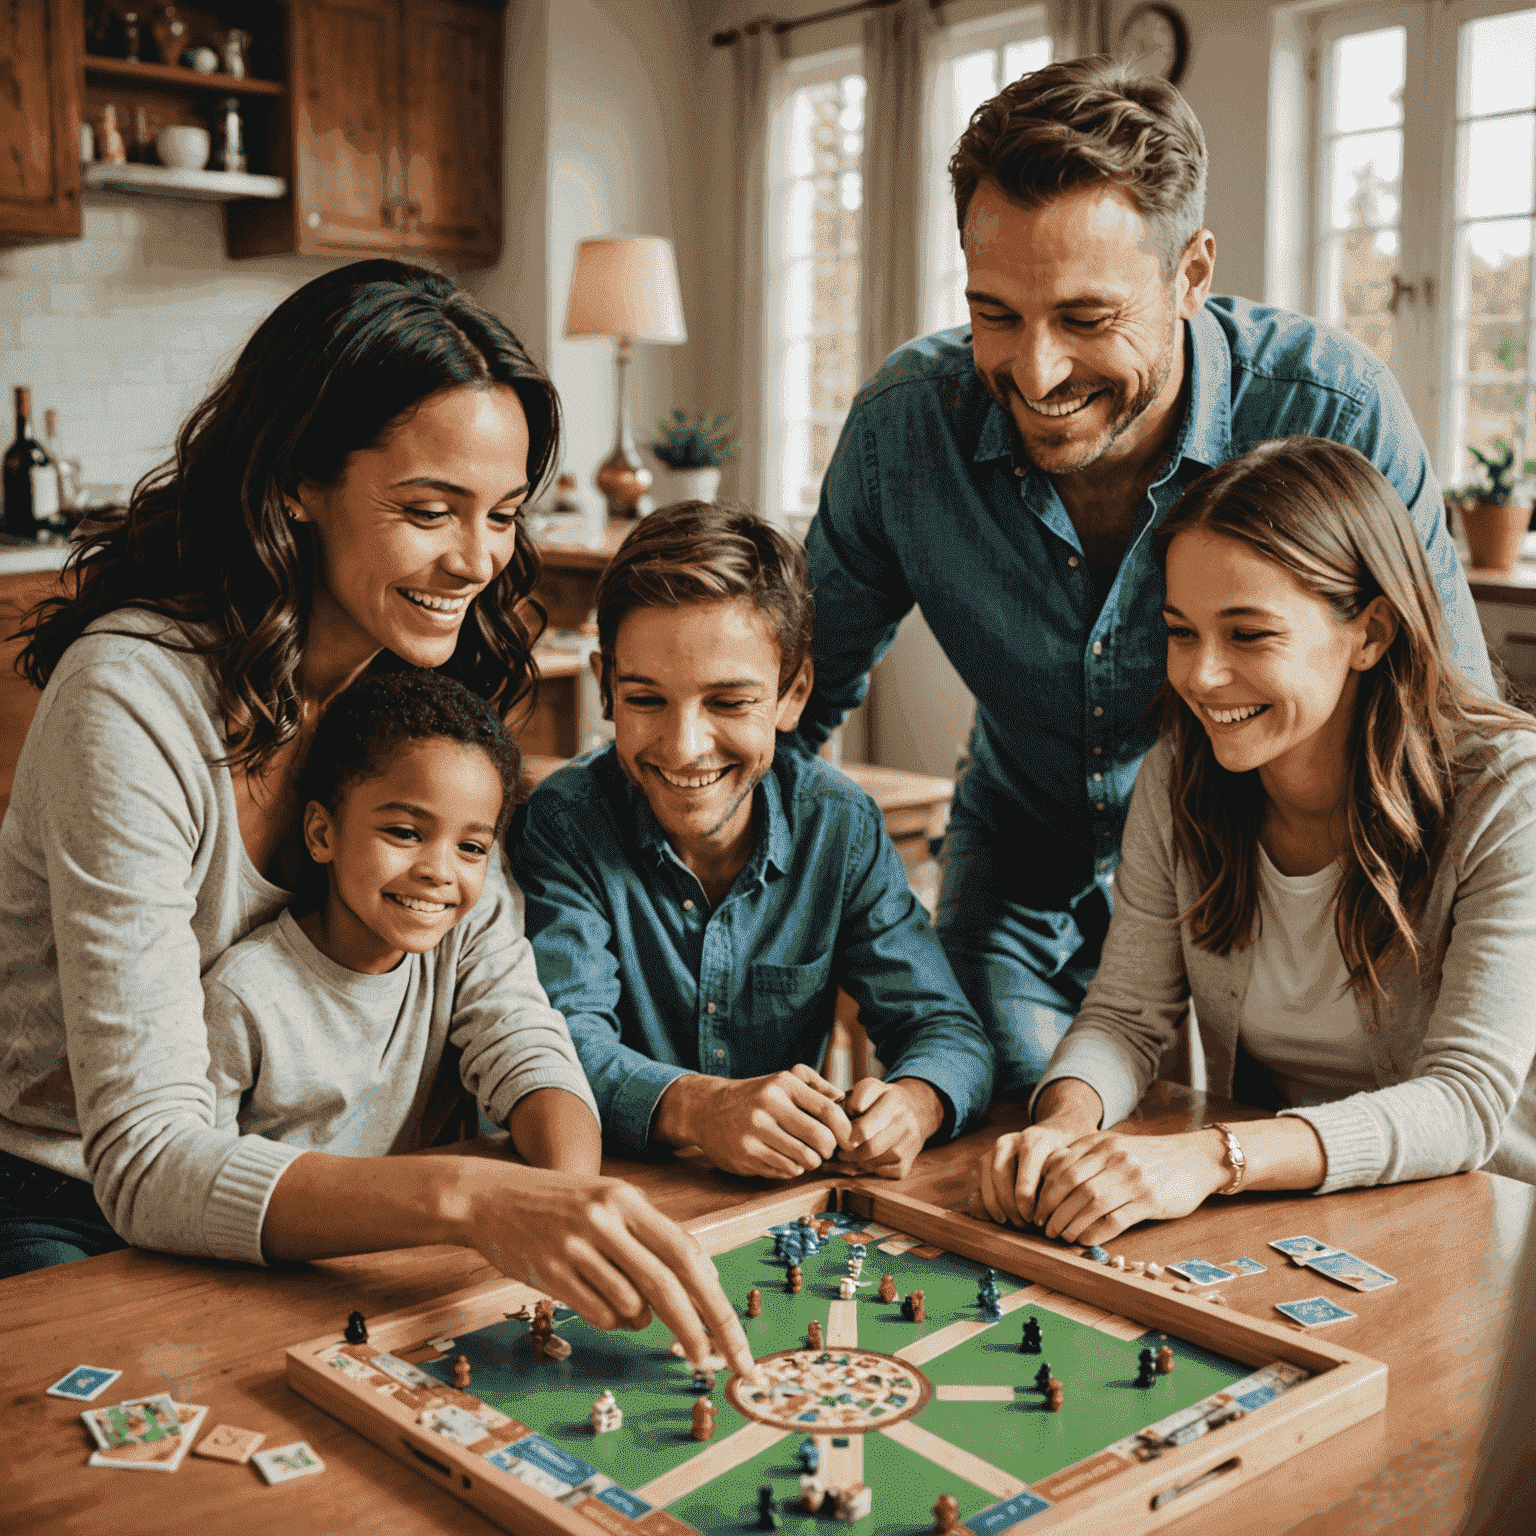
<point>1493,526</point>
<point>693,448</point>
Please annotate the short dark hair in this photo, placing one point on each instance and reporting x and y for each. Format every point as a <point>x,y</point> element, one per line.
<point>1082,122</point>
<point>709,552</point>
<point>359,735</point>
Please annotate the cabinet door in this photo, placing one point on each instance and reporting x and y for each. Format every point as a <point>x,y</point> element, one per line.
<point>349,179</point>
<point>453,128</point>
<point>41,45</point>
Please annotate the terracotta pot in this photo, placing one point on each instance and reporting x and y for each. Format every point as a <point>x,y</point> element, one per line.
<point>1494,533</point>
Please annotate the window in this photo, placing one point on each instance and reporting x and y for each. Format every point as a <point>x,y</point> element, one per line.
<point>1424,170</point>
<point>815,201</point>
<point>976,62</point>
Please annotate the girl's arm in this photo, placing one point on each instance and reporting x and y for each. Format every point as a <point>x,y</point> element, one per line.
<point>552,1128</point>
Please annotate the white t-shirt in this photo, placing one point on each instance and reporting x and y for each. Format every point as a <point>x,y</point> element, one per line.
<point>1300,1020</point>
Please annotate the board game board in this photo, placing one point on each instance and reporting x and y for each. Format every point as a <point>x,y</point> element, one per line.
<point>909,1410</point>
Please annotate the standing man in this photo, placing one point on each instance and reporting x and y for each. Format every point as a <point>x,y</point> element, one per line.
<point>1006,477</point>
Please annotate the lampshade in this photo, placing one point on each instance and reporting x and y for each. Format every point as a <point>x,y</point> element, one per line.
<point>626,288</point>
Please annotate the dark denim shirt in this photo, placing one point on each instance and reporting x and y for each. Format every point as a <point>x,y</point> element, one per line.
<point>654,983</point>
<point>922,503</point>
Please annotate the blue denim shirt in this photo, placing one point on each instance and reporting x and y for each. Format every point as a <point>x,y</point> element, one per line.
<point>922,503</point>
<point>654,983</point>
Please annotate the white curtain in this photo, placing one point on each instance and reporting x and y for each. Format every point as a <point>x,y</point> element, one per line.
<point>1079,27</point>
<point>896,42</point>
<point>755,58</point>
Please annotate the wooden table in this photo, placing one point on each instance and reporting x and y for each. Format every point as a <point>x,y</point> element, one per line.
<point>215,1333</point>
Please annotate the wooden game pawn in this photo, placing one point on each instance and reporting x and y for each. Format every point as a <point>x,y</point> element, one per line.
<point>813,1493</point>
<point>813,1334</point>
<point>461,1373</point>
<point>1055,1395</point>
<point>919,1314</point>
<point>887,1291</point>
<point>1164,1361</point>
<point>946,1514</point>
<point>703,1425</point>
<point>754,1302</point>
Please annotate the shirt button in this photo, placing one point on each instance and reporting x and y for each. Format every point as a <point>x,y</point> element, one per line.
<point>1098,647</point>
<point>1098,751</point>
<point>1098,808</point>
<point>687,906</point>
<point>1073,561</point>
<point>719,1055</point>
<point>1019,472</point>
<point>1098,709</point>
<point>1098,778</point>
<point>710,1008</point>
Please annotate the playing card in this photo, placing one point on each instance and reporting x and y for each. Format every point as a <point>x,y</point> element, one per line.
<point>83,1384</point>
<point>1198,1272</point>
<point>1246,1266</point>
<point>1348,1270</point>
<point>224,1442</point>
<point>285,1462</point>
<point>896,1245</point>
<point>1314,1312</point>
<point>149,1434</point>
<point>1301,1247</point>
<point>928,1251</point>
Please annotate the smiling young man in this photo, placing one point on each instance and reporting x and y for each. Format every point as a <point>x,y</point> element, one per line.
<point>698,891</point>
<point>1006,476</point>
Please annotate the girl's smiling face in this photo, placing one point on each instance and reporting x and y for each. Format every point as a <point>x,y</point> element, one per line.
<point>416,528</point>
<point>406,854</point>
<point>1265,664</point>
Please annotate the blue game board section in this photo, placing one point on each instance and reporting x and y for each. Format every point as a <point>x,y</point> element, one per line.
<point>1020,1507</point>
<point>627,1503</point>
<point>1255,1399</point>
<point>546,1456</point>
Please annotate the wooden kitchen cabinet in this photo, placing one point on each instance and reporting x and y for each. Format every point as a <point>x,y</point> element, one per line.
<point>41,44</point>
<point>396,134</point>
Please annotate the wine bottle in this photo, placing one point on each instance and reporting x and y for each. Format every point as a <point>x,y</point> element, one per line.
<point>30,484</point>
<point>66,470</point>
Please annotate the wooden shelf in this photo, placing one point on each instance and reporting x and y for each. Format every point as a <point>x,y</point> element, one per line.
<point>165,181</point>
<point>177,74</point>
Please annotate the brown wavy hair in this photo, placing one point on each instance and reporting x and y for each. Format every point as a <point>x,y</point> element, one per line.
<point>1081,123</point>
<point>708,552</point>
<point>204,540</point>
<point>1323,512</point>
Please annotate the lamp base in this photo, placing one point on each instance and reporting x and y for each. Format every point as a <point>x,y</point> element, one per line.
<point>622,479</point>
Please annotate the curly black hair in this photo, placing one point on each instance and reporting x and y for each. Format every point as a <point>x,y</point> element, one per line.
<point>359,735</point>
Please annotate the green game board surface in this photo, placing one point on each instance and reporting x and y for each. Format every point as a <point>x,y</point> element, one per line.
<point>1020,1436</point>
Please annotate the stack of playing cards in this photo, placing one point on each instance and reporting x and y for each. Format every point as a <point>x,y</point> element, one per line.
<point>149,1433</point>
<point>1338,1265</point>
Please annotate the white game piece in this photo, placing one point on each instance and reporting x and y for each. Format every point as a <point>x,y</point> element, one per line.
<point>283,1463</point>
<point>1154,1270</point>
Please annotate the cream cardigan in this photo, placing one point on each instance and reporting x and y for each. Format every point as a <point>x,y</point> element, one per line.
<point>1453,1055</point>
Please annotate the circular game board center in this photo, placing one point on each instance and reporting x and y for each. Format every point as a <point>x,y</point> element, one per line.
<point>830,1391</point>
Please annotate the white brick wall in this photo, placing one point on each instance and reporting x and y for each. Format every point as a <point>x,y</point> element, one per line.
<point>123,331</point>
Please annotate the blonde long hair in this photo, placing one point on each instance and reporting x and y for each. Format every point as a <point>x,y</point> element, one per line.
<point>1325,513</point>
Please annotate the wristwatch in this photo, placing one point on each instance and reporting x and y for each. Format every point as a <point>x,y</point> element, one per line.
<point>1235,1159</point>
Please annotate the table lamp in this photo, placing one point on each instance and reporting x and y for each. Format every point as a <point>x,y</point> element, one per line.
<point>626,289</point>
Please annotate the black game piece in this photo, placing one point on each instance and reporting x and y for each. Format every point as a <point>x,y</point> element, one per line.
<point>1043,1377</point>
<point>767,1510</point>
<point>1148,1372</point>
<point>357,1329</point>
<point>1032,1343</point>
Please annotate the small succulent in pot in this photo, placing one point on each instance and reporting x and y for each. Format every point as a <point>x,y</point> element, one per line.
<point>696,442</point>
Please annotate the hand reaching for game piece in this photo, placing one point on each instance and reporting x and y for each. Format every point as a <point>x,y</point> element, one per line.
<point>889,1124</point>
<point>776,1127</point>
<point>602,1246</point>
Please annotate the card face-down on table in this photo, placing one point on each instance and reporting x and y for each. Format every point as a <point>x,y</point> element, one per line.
<point>1246,1266</point>
<point>1313,1312</point>
<point>1301,1247</point>
<point>83,1384</point>
<point>1348,1270</point>
<point>1198,1272</point>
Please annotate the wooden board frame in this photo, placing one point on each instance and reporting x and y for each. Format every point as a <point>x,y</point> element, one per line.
<point>1344,1388</point>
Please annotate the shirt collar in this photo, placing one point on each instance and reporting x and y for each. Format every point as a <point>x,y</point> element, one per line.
<point>1204,435</point>
<point>771,851</point>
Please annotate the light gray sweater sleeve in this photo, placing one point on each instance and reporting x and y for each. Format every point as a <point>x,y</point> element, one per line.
<point>1139,994</point>
<point>127,804</point>
<point>1477,1049</point>
<point>512,1040</point>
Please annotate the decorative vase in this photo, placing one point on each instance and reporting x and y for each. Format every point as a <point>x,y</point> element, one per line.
<point>672,485</point>
<point>1494,531</point>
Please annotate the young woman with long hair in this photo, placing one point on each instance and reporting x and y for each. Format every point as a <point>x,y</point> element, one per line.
<point>1330,851</point>
<point>348,497</point>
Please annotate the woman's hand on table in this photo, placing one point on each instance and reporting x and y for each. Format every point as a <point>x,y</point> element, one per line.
<point>602,1248</point>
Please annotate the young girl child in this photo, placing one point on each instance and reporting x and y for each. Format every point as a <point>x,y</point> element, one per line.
<point>1331,851</point>
<point>349,1029</point>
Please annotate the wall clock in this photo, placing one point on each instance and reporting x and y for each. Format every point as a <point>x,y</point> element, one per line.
<point>1155,39</point>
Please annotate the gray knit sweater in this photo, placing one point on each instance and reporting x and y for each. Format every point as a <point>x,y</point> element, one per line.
<point>123,879</point>
<point>1453,1055</point>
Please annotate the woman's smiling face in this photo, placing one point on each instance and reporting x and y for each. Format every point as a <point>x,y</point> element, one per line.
<point>417,527</point>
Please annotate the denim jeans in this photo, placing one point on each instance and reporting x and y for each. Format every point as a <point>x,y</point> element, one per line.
<point>46,1219</point>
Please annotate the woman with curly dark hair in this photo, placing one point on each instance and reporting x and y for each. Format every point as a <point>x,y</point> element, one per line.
<point>1331,852</point>
<point>347,498</point>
